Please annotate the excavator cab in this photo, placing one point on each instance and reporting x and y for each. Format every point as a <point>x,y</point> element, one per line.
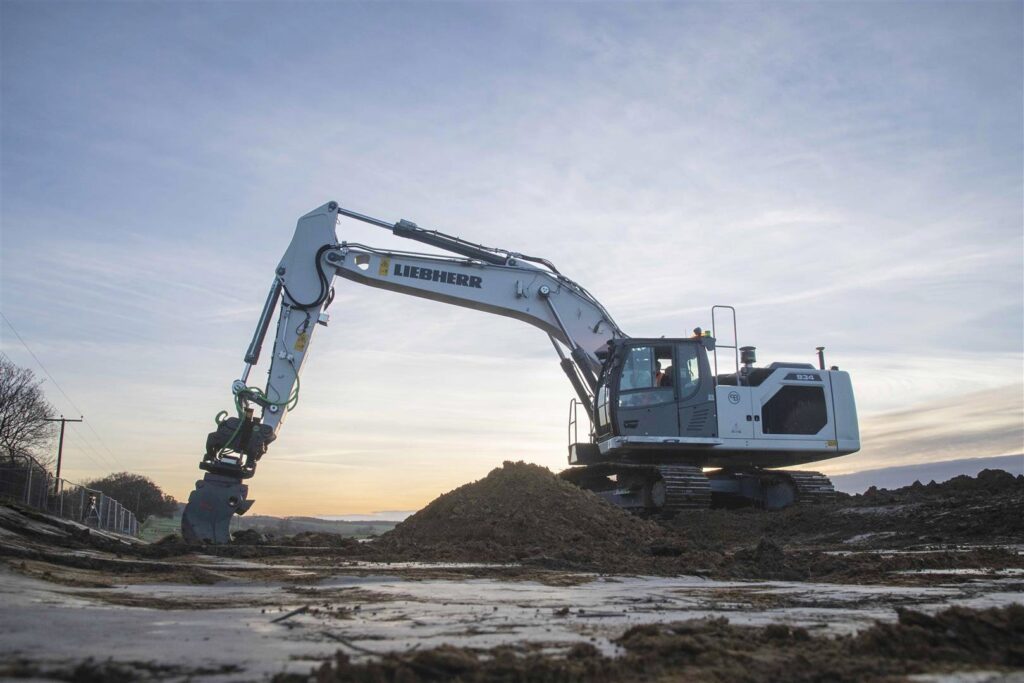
<point>656,391</point>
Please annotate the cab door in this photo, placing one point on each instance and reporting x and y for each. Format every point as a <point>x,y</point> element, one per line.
<point>646,404</point>
<point>695,390</point>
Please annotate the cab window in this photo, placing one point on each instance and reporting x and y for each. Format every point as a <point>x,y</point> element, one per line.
<point>647,377</point>
<point>603,418</point>
<point>688,369</point>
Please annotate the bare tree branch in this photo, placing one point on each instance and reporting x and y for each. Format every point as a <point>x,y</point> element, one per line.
<point>23,413</point>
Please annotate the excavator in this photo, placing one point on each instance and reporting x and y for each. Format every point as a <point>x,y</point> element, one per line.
<point>669,430</point>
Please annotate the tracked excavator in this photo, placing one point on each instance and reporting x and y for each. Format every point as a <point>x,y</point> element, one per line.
<point>673,423</point>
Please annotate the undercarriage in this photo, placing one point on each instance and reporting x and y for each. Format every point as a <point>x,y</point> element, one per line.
<point>668,489</point>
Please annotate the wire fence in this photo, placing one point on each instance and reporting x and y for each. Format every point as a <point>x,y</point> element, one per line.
<point>23,480</point>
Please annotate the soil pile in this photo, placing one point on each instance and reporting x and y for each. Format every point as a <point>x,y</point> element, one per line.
<point>323,539</point>
<point>767,561</point>
<point>957,639</point>
<point>988,483</point>
<point>964,510</point>
<point>303,539</point>
<point>248,537</point>
<point>982,509</point>
<point>992,636</point>
<point>524,513</point>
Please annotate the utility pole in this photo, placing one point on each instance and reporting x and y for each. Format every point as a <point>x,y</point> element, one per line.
<point>60,446</point>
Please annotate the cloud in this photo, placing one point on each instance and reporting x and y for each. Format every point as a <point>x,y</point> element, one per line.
<point>849,175</point>
<point>970,425</point>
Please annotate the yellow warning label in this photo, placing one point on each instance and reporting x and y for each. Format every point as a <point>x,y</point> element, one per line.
<point>385,265</point>
<point>301,341</point>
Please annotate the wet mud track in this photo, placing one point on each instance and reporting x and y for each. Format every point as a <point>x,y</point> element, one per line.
<point>879,587</point>
<point>242,630</point>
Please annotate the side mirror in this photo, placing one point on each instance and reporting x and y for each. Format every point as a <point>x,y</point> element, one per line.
<point>709,342</point>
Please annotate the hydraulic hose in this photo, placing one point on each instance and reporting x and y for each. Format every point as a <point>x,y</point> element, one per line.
<point>324,283</point>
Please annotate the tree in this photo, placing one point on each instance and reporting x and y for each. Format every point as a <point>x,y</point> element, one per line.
<point>137,493</point>
<point>23,412</point>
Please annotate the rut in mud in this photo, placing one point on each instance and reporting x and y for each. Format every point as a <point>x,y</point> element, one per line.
<point>714,650</point>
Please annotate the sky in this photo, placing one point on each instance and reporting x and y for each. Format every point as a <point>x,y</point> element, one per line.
<point>847,174</point>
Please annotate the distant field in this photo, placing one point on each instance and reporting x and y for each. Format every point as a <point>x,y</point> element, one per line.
<point>284,526</point>
<point>156,528</point>
<point>895,477</point>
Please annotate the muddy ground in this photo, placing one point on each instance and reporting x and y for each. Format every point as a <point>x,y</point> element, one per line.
<point>522,576</point>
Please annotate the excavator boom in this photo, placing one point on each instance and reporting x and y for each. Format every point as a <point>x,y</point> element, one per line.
<point>491,280</point>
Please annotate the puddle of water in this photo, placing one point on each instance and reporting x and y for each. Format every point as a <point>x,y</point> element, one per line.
<point>967,677</point>
<point>926,550</point>
<point>213,562</point>
<point>388,613</point>
<point>861,538</point>
<point>982,571</point>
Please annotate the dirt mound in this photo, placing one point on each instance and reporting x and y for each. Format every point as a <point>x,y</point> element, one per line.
<point>982,509</point>
<point>320,539</point>
<point>767,561</point>
<point>521,512</point>
<point>987,483</point>
<point>964,510</point>
<point>248,537</point>
<point>959,634</point>
<point>715,650</point>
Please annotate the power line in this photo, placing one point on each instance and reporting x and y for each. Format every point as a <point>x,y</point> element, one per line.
<point>105,446</point>
<point>85,447</point>
<point>114,459</point>
<point>87,450</point>
<point>40,363</point>
<point>91,451</point>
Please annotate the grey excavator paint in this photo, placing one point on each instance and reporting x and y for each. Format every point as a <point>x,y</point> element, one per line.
<point>649,441</point>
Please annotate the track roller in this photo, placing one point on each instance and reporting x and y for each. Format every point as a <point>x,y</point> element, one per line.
<point>645,489</point>
<point>686,488</point>
<point>770,489</point>
<point>811,487</point>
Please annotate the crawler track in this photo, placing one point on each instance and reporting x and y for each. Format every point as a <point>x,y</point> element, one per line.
<point>671,489</point>
<point>811,488</point>
<point>664,489</point>
<point>686,488</point>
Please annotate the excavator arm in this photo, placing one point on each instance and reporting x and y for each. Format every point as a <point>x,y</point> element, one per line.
<point>482,278</point>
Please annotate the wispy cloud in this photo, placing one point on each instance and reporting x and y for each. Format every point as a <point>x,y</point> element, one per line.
<point>849,174</point>
<point>971,425</point>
